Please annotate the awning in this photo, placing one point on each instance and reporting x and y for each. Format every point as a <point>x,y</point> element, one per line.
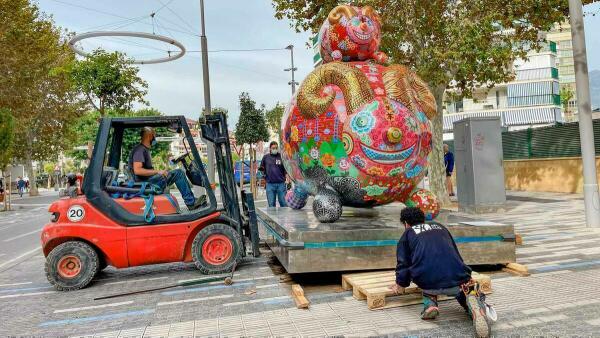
<point>513,117</point>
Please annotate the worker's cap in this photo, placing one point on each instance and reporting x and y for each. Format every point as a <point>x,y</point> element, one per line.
<point>147,130</point>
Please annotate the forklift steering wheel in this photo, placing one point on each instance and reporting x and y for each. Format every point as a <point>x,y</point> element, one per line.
<point>180,158</point>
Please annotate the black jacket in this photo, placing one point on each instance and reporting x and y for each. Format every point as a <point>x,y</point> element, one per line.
<point>428,256</point>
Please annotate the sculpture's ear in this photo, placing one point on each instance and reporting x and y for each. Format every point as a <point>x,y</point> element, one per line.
<point>371,13</point>
<point>340,11</point>
<point>407,87</point>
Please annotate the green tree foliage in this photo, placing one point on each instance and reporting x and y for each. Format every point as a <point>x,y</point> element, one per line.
<point>274,116</point>
<point>252,126</point>
<point>86,129</point>
<point>457,45</point>
<point>566,94</point>
<point>7,124</point>
<point>33,86</point>
<point>250,129</point>
<point>109,80</point>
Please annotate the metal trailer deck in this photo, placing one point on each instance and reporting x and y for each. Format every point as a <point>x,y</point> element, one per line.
<point>365,239</point>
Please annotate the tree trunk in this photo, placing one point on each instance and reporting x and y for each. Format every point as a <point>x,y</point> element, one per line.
<point>241,169</point>
<point>437,169</point>
<point>252,172</point>
<point>33,190</point>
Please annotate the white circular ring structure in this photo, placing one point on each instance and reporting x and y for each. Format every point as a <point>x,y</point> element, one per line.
<point>142,35</point>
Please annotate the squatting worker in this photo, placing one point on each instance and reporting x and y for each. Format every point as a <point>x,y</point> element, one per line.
<point>272,167</point>
<point>428,256</point>
<point>449,163</point>
<point>140,162</point>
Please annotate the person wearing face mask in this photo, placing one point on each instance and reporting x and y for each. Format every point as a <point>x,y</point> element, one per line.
<point>272,167</point>
<point>140,162</point>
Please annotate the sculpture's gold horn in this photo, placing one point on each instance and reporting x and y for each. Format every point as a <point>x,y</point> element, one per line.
<point>407,87</point>
<point>371,13</point>
<point>336,14</point>
<point>352,82</point>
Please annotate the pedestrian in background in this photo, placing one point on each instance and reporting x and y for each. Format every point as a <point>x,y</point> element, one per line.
<point>21,186</point>
<point>449,163</point>
<point>275,175</point>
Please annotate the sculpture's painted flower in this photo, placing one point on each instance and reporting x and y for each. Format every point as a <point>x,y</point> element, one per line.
<point>363,122</point>
<point>314,153</point>
<point>359,161</point>
<point>328,160</point>
<point>344,164</point>
<point>376,171</point>
<point>294,135</point>
<point>287,149</point>
<point>306,159</point>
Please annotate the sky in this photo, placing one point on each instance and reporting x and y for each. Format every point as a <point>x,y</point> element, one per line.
<point>175,88</point>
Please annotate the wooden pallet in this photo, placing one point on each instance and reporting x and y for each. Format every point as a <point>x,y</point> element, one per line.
<point>374,287</point>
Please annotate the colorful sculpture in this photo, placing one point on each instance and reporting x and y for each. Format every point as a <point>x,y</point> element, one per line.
<point>357,133</point>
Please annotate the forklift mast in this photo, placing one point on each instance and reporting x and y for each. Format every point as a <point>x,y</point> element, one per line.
<point>214,129</point>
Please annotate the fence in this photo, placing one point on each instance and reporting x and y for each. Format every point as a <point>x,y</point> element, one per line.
<point>561,140</point>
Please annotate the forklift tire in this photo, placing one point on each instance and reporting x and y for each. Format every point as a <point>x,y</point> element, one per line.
<point>216,249</point>
<point>72,265</point>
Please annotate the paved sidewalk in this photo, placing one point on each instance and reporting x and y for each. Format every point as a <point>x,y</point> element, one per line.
<point>560,298</point>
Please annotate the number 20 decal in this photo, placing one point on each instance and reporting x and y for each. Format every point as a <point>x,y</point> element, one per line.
<point>76,213</point>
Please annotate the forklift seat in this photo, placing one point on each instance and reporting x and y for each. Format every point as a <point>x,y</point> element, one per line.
<point>109,174</point>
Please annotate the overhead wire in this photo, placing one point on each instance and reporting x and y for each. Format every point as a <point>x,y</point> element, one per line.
<point>131,23</point>
<point>180,18</point>
<point>243,68</point>
<point>114,23</point>
<point>116,15</point>
<point>156,25</point>
<point>163,6</point>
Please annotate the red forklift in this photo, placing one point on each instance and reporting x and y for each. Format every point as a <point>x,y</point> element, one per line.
<point>98,227</point>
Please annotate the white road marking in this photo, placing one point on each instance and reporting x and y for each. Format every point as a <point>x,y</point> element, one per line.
<point>41,205</point>
<point>13,284</point>
<point>217,282</point>
<point>255,301</point>
<point>253,278</point>
<point>135,280</point>
<point>27,294</point>
<point>266,286</point>
<point>93,307</point>
<point>22,235</point>
<point>19,257</point>
<point>193,300</point>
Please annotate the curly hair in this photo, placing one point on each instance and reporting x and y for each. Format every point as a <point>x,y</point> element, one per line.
<point>412,216</point>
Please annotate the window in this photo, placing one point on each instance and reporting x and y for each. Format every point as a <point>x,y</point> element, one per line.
<point>458,106</point>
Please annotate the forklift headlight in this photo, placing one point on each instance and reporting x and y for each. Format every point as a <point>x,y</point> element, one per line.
<point>54,217</point>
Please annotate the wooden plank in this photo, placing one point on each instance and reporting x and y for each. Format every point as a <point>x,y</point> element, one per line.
<point>299,298</point>
<point>349,279</point>
<point>518,239</point>
<point>386,291</point>
<point>485,282</point>
<point>517,267</point>
<point>408,300</point>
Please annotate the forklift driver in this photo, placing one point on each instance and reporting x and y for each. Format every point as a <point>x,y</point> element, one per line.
<point>140,162</point>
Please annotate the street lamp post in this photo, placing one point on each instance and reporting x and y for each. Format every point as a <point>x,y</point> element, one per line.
<point>210,152</point>
<point>292,69</point>
<point>586,131</point>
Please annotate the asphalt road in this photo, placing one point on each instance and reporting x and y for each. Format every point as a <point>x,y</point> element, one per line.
<point>20,229</point>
